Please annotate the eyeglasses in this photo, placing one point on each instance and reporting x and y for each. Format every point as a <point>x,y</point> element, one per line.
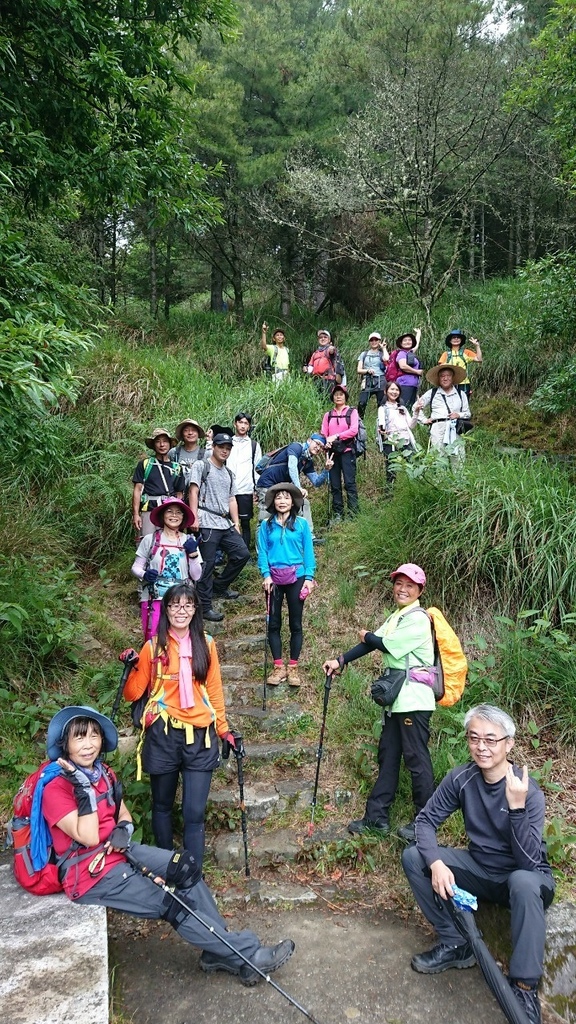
<point>187,606</point>
<point>488,741</point>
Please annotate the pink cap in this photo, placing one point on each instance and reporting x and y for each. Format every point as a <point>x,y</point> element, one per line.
<point>413,572</point>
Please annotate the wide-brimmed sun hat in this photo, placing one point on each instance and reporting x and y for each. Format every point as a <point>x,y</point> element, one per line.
<point>157,514</point>
<point>458,373</point>
<point>406,334</point>
<point>457,333</point>
<point>189,423</point>
<point>412,571</point>
<point>159,432</point>
<point>297,496</point>
<point>57,727</point>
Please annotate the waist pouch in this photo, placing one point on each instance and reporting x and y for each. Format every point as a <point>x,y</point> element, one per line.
<point>386,688</point>
<point>464,426</point>
<point>282,577</point>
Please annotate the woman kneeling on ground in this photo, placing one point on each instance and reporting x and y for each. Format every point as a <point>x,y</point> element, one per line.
<point>286,561</point>
<point>83,804</point>
<point>179,672</point>
<point>405,640</point>
<point>165,557</point>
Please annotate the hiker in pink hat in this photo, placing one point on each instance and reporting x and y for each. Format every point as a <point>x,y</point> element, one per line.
<point>405,640</point>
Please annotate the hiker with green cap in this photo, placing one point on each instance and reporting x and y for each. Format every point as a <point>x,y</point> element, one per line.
<point>91,828</point>
<point>405,640</point>
<point>277,354</point>
<point>155,479</point>
<point>456,354</point>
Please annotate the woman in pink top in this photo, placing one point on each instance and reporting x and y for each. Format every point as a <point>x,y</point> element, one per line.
<point>340,427</point>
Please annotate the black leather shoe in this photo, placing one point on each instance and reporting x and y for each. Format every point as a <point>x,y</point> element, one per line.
<point>211,962</point>
<point>529,1001</point>
<point>268,959</point>
<point>357,828</point>
<point>213,616</point>
<point>442,957</point>
<point>408,832</point>
<point>227,595</point>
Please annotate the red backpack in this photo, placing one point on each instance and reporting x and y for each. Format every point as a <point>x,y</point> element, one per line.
<point>393,371</point>
<point>49,878</point>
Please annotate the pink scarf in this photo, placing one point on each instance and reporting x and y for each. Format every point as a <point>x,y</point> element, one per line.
<point>185,669</point>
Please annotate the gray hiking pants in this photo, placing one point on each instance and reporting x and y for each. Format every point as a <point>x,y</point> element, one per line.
<point>526,893</point>
<point>125,889</point>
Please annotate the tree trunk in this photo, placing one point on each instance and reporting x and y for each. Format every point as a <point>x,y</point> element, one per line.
<point>482,243</point>
<point>511,261</point>
<point>518,238</point>
<point>472,244</point>
<point>168,273</point>
<point>113,264</point>
<point>285,298</point>
<point>320,279</point>
<point>153,274</point>
<point>238,292</point>
<point>100,246</point>
<point>531,222</point>
<point>216,286</point>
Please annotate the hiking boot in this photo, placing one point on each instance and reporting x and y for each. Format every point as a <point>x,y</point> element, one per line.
<point>318,541</point>
<point>442,957</point>
<point>336,520</point>
<point>362,825</point>
<point>211,962</point>
<point>268,959</point>
<point>227,595</point>
<point>294,676</point>
<point>527,996</point>
<point>213,616</point>
<point>407,832</point>
<point>277,676</point>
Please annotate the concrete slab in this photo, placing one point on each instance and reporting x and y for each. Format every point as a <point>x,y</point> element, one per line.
<point>53,958</point>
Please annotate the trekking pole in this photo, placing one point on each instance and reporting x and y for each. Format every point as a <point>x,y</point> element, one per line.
<point>138,866</point>
<point>239,753</point>
<point>151,598</point>
<point>129,659</point>
<point>266,642</point>
<point>327,687</point>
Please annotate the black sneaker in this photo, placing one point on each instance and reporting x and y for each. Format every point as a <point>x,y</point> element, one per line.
<point>227,595</point>
<point>268,959</point>
<point>442,957</point>
<point>527,996</point>
<point>213,616</point>
<point>407,832</point>
<point>363,825</point>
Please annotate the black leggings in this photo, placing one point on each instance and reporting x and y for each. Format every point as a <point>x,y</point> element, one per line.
<point>295,609</point>
<point>195,789</point>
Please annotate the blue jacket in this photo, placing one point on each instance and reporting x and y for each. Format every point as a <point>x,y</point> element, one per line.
<point>281,547</point>
<point>294,460</point>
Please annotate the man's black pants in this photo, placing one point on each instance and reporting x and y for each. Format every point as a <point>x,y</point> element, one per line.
<point>238,554</point>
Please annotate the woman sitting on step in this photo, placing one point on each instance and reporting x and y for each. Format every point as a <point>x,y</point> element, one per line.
<point>286,561</point>
<point>179,672</point>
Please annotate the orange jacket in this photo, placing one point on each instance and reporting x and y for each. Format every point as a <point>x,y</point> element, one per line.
<point>167,694</point>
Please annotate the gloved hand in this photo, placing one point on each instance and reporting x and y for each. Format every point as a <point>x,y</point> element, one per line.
<point>121,834</point>
<point>84,792</point>
<point>150,576</point>
<point>228,744</point>
<point>129,655</point>
<point>183,871</point>
<point>191,546</point>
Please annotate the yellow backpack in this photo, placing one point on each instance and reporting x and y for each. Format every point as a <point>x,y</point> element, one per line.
<point>449,660</point>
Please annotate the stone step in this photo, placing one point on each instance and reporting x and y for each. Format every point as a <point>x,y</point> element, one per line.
<point>245,691</point>
<point>235,672</point>
<point>264,849</point>
<point>54,957</point>
<point>271,721</point>
<point>246,643</point>
<point>270,893</point>
<point>260,753</point>
<point>261,799</point>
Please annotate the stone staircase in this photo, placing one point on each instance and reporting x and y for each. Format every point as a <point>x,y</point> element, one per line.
<point>278,771</point>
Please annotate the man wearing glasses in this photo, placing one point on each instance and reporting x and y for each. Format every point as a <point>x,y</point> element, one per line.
<point>505,861</point>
